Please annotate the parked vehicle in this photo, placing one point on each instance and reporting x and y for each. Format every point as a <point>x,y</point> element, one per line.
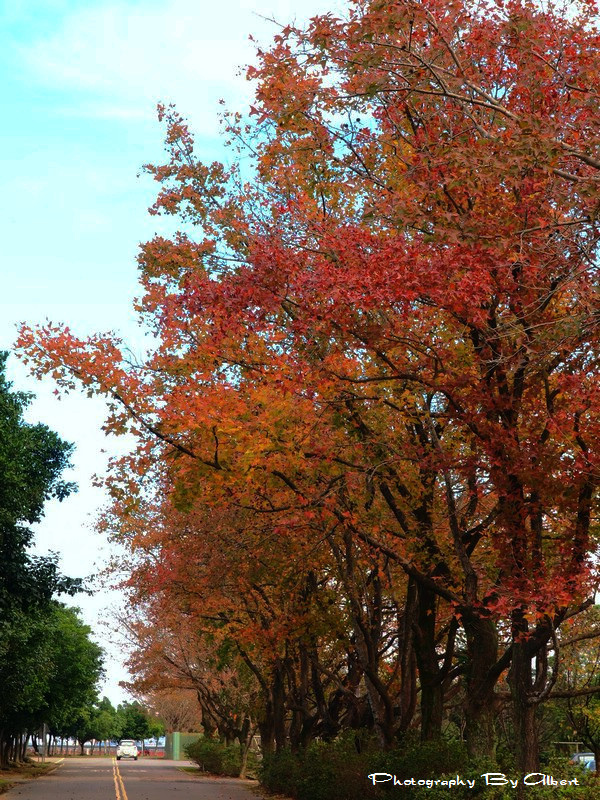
<point>127,749</point>
<point>582,758</point>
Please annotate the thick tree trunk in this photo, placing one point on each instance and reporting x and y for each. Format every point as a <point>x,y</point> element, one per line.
<point>266,733</point>
<point>406,653</point>
<point>480,731</point>
<point>427,656</point>
<point>278,705</point>
<point>266,725</point>
<point>4,748</point>
<point>480,705</point>
<point>524,716</point>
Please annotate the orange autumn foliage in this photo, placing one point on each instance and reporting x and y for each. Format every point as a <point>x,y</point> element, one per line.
<point>379,350</point>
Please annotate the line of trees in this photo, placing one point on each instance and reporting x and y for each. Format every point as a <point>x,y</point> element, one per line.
<point>366,487</point>
<point>100,723</point>
<point>49,666</point>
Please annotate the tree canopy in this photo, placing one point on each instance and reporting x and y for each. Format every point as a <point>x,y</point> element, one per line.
<point>367,470</point>
<point>48,663</point>
<point>32,460</point>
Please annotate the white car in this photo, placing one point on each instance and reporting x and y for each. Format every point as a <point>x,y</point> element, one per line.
<point>127,749</point>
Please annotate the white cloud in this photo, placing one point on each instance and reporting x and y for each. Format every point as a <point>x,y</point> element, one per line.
<point>126,57</point>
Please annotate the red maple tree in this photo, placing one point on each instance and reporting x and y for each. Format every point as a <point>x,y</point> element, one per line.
<point>386,338</point>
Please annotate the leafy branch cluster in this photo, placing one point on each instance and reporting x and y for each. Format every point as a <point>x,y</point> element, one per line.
<point>366,487</point>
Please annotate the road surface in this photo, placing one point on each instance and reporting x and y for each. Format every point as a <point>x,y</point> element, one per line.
<point>145,779</point>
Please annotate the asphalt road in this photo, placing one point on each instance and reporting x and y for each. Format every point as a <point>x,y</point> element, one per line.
<point>145,779</point>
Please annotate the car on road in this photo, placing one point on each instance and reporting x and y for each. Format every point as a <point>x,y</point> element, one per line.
<point>127,748</point>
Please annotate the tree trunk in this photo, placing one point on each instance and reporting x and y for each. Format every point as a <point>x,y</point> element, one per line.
<point>427,657</point>
<point>408,661</point>
<point>3,751</point>
<point>245,746</point>
<point>524,716</point>
<point>278,701</point>
<point>266,733</point>
<point>480,706</point>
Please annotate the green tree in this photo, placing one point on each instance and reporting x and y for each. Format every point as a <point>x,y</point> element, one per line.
<point>135,723</point>
<point>33,628</point>
<point>24,658</point>
<point>32,460</point>
<point>156,729</point>
<point>77,668</point>
<point>49,669</point>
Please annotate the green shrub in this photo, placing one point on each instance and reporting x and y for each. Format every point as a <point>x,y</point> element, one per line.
<point>421,759</point>
<point>324,771</point>
<point>559,768</point>
<point>215,757</point>
<point>339,770</point>
<point>336,770</point>
<point>280,772</point>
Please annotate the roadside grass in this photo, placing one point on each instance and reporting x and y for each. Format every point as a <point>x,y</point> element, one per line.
<point>23,772</point>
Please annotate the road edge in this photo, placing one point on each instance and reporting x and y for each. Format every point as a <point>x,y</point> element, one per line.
<point>6,787</point>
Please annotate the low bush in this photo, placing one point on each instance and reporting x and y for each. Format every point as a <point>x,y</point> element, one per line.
<point>215,757</point>
<point>280,772</point>
<point>339,770</point>
<point>588,787</point>
<point>324,771</point>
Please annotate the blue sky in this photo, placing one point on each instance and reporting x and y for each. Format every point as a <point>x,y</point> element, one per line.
<point>81,81</point>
